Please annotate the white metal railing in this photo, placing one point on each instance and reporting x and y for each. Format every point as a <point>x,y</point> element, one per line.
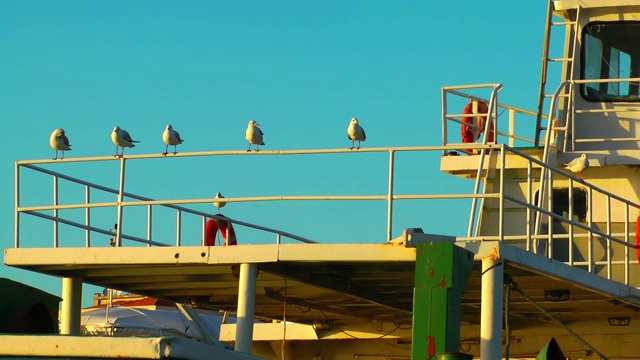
<point>451,98</point>
<point>569,111</point>
<point>590,237</point>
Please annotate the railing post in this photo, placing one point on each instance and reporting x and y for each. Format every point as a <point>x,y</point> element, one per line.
<point>512,127</point>
<point>120,200</point>
<point>55,212</point>
<point>16,218</point>
<point>390,197</point>
<point>503,168</point>
<point>149,223</point>
<point>444,120</point>
<point>178,227</point>
<point>87,216</point>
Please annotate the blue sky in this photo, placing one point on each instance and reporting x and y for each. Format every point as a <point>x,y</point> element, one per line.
<point>301,69</point>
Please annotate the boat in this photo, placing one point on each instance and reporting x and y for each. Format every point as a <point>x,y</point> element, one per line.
<point>547,259</point>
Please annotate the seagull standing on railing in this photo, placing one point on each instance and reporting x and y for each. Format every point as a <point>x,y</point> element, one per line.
<point>59,142</point>
<point>171,137</point>
<point>355,132</point>
<point>122,139</point>
<point>218,204</point>
<point>254,135</point>
<point>578,165</point>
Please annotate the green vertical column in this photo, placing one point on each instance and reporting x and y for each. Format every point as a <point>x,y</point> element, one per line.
<point>442,272</point>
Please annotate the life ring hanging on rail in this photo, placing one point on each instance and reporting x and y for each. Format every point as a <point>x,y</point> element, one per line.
<point>212,227</point>
<point>471,125</point>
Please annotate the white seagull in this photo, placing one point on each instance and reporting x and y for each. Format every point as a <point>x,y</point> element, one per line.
<point>355,132</point>
<point>59,142</point>
<point>171,137</point>
<point>578,165</point>
<point>122,139</point>
<point>217,204</point>
<point>254,135</point>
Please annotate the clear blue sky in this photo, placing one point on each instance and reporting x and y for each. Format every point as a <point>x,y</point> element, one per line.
<point>302,69</point>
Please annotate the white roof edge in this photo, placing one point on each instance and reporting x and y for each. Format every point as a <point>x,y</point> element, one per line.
<point>560,270</point>
<point>572,4</point>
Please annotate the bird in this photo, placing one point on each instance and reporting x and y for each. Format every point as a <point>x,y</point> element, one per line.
<point>578,165</point>
<point>59,142</point>
<point>217,204</point>
<point>254,135</point>
<point>122,139</point>
<point>355,132</point>
<point>171,137</point>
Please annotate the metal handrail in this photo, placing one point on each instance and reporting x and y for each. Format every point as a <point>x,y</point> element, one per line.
<point>500,194</point>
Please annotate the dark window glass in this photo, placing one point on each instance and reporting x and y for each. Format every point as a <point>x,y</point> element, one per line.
<point>611,50</point>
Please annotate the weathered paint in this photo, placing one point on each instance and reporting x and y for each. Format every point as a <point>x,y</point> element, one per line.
<point>442,272</point>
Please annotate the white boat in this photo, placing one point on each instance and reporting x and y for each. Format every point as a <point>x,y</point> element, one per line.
<point>549,252</point>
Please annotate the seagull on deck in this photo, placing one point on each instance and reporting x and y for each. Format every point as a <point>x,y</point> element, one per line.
<point>254,135</point>
<point>122,139</point>
<point>59,142</point>
<point>578,165</point>
<point>355,132</point>
<point>171,137</point>
<point>217,204</point>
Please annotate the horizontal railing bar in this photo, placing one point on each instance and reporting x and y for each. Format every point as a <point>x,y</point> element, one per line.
<point>240,153</point>
<point>615,110</point>
<point>463,87</point>
<point>91,228</point>
<point>606,140</point>
<point>596,81</point>
<point>66,207</point>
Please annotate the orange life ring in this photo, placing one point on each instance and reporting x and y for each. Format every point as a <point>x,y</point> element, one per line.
<point>468,125</point>
<point>212,227</point>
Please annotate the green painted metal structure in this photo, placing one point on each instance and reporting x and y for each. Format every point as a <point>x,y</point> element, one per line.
<point>442,273</point>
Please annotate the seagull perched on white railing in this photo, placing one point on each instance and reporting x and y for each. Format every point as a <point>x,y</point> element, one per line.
<point>122,139</point>
<point>171,137</point>
<point>355,132</point>
<point>578,165</point>
<point>218,204</point>
<point>254,135</point>
<point>59,142</point>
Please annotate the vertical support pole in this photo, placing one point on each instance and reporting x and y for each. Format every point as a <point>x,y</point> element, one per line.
<point>512,127</point>
<point>55,212</point>
<point>87,216</point>
<point>16,218</point>
<point>491,308</point>
<point>246,307</point>
<point>120,200</point>
<point>71,306</point>
<point>442,272</point>
<point>149,227</point>
<point>390,197</point>
<point>444,121</point>
<point>178,227</point>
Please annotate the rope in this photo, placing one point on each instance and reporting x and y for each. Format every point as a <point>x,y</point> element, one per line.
<point>514,287</point>
<point>507,299</point>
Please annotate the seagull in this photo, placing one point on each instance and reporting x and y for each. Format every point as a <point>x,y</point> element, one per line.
<point>217,204</point>
<point>356,132</point>
<point>171,137</point>
<point>122,139</point>
<point>578,165</point>
<point>59,142</point>
<point>254,135</point>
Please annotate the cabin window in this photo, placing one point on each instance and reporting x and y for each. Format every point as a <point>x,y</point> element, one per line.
<point>561,203</point>
<point>610,50</point>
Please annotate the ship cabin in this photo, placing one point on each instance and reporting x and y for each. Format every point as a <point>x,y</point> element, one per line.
<point>589,103</point>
